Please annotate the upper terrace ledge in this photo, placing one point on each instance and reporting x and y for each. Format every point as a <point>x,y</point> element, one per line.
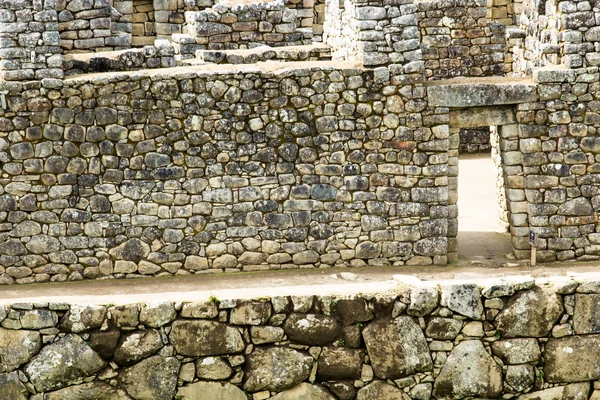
<point>323,282</point>
<point>220,69</point>
<point>183,72</point>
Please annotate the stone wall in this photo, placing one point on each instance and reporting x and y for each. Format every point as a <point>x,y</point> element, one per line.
<point>85,25</point>
<point>458,40</point>
<point>146,174</point>
<point>240,26</point>
<point>508,339</point>
<point>29,41</point>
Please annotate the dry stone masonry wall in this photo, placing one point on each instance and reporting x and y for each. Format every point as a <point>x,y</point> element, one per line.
<point>509,339</point>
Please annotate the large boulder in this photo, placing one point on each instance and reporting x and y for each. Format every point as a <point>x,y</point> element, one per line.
<point>312,329</point>
<point>469,372</point>
<point>12,388</point>
<point>397,347</point>
<point>572,359</point>
<point>92,390</point>
<point>276,369</point>
<point>530,313</point>
<point>381,391</point>
<point>205,338</point>
<point>211,390</point>
<point>135,346</point>
<point>304,391</point>
<point>58,364</point>
<point>17,347</point>
<point>154,378</point>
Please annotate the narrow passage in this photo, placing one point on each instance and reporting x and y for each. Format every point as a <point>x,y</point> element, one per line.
<point>482,236</point>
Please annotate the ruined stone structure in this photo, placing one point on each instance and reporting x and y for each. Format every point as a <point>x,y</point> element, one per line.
<point>511,339</point>
<point>343,153</point>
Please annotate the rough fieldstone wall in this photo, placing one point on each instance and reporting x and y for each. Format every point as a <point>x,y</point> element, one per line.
<point>457,39</point>
<point>136,175</point>
<point>29,40</point>
<point>558,155</point>
<point>508,339</point>
<point>85,25</point>
<point>243,26</point>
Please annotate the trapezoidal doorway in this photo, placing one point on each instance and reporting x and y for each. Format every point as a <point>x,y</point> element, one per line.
<point>480,217</point>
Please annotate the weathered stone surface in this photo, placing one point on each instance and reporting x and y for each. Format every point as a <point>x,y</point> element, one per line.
<point>38,319</point>
<point>157,314</point>
<point>200,309</point>
<point>520,377</point>
<point>205,338</point>
<point>574,391</point>
<point>422,300</point>
<point>530,313</point>
<point>571,359</point>
<point>464,299</point>
<point>154,378</point>
<point>266,334</point>
<point>92,390</point>
<point>482,116</point>
<point>211,390</point>
<point>60,363</point>
<point>469,371</point>
<point>276,369</point>
<point>443,328</point>
<point>136,346</point>
<point>576,207</point>
<point>83,317</point>
<point>337,363</point>
<point>12,388</point>
<point>517,351</point>
<point>381,391</point>
<point>353,311</point>
<point>397,347</point>
<point>251,313</point>
<point>104,342</point>
<point>586,317</point>
<point>132,250</point>
<point>17,347</point>
<point>304,391</point>
<point>213,369</point>
<point>480,94</point>
<point>312,329</point>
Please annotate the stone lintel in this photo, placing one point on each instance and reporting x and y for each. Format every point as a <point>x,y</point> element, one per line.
<point>460,93</point>
<point>482,116</point>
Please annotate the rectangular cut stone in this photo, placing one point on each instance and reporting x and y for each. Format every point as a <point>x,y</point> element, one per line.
<point>477,92</point>
<point>586,318</point>
<point>572,359</point>
<point>481,116</point>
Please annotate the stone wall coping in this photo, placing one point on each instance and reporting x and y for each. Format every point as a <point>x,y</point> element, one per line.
<point>338,285</point>
<point>222,71</point>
